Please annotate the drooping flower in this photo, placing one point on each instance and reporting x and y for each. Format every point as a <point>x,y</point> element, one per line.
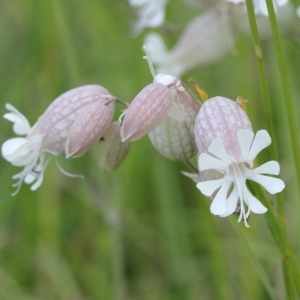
<point>204,40</point>
<point>71,125</point>
<point>165,111</point>
<point>174,136</point>
<point>151,13</point>
<point>228,147</point>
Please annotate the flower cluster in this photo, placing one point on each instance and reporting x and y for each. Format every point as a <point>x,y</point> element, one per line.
<point>178,125</point>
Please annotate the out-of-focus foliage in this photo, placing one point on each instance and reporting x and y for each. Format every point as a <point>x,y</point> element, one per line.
<point>143,231</point>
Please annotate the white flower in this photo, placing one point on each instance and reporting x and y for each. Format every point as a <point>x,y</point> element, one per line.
<point>205,39</point>
<point>231,191</point>
<point>72,124</point>
<point>151,13</point>
<point>24,151</point>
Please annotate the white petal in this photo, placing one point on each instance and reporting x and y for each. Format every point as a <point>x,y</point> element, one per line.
<point>245,138</point>
<point>270,167</point>
<point>207,162</point>
<point>209,187</point>
<point>271,184</point>
<point>255,205</point>
<point>11,146</point>
<point>21,124</point>
<point>29,178</point>
<point>231,203</point>
<point>217,148</point>
<point>218,206</point>
<point>38,183</point>
<point>262,140</point>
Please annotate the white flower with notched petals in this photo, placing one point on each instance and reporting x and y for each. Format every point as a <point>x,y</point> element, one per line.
<point>24,151</point>
<point>71,124</point>
<point>231,190</point>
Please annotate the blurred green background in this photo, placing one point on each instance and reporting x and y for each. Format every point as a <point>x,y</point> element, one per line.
<point>143,231</point>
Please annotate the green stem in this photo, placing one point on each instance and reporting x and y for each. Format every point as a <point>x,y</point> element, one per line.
<point>289,105</point>
<point>265,93</point>
<point>276,222</point>
<point>291,271</point>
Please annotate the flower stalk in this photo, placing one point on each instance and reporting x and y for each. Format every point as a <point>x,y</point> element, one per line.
<point>276,222</point>
<point>289,105</point>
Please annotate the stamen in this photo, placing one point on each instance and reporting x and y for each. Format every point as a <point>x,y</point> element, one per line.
<point>239,181</point>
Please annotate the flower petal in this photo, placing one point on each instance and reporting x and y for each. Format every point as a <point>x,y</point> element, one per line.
<point>38,183</point>
<point>30,178</point>
<point>270,167</point>
<point>11,146</point>
<point>207,162</point>
<point>255,205</point>
<point>218,206</point>
<point>262,140</point>
<point>245,138</point>
<point>209,187</point>
<point>271,184</point>
<point>146,111</point>
<point>217,148</point>
<point>21,125</point>
<point>88,128</point>
<point>231,203</point>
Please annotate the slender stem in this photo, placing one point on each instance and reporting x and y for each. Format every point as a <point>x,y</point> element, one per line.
<point>290,109</point>
<point>276,221</point>
<point>291,270</point>
<point>289,105</point>
<point>265,92</point>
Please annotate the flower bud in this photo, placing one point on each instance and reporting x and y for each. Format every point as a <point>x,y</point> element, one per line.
<point>112,150</point>
<point>146,111</point>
